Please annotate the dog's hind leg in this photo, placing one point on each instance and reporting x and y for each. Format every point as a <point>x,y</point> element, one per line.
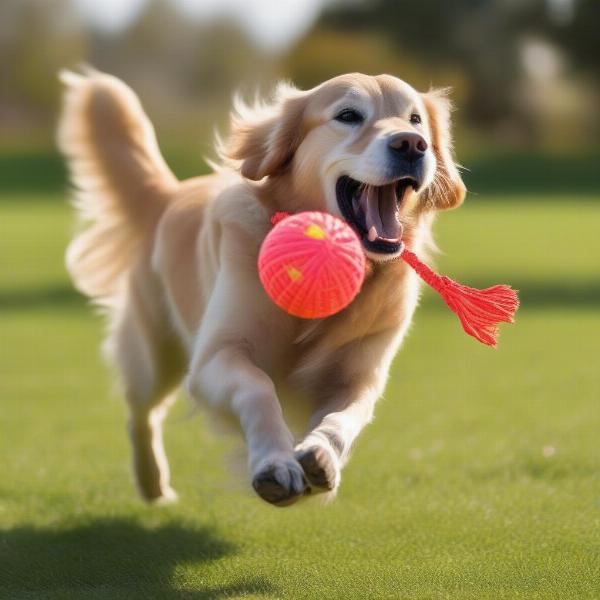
<point>150,463</point>
<point>150,366</point>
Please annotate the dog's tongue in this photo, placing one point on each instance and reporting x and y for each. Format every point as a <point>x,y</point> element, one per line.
<point>380,207</point>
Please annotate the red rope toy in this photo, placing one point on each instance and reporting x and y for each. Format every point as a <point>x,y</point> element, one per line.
<point>480,311</point>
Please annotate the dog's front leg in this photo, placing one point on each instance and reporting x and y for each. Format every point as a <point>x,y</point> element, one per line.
<point>326,447</point>
<point>360,376</point>
<point>241,336</point>
<point>231,382</point>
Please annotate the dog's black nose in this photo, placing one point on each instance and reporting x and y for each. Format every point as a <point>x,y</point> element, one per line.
<point>410,146</point>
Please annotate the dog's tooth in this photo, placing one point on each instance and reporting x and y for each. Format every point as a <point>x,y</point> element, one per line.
<point>372,234</point>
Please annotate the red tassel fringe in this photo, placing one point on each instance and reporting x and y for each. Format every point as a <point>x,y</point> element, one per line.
<point>479,311</point>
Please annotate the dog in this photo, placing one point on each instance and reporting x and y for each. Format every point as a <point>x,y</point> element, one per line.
<point>174,263</point>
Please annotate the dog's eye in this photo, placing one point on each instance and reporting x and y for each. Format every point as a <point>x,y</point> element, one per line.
<point>349,115</point>
<point>415,119</point>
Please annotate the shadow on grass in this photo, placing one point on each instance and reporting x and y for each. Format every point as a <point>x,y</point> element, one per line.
<point>509,173</point>
<point>114,558</point>
<point>533,294</point>
<point>59,296</point>
<point>514,174</point>
<point>42,171</point>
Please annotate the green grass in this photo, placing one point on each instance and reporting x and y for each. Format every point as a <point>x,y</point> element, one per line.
<point>478,478</point>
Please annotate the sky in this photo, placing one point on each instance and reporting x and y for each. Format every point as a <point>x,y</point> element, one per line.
<point>273,24</point>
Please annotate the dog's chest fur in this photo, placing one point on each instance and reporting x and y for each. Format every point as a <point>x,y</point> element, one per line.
<point>329,348</point>
<point>317,350</point>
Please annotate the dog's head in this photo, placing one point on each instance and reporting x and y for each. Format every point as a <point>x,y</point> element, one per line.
<point>369,149</point>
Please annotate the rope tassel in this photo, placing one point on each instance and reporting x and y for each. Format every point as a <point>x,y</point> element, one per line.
<point>479,311</point>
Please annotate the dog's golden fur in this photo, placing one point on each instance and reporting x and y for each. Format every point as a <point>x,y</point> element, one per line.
<point>175,264</point>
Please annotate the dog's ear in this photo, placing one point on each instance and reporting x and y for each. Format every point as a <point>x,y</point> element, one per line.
<point>447,190</point>
<point>264,137</point>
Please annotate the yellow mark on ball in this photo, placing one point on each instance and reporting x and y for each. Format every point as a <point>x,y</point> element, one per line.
<point>293,273</point>
<point>315,232</point>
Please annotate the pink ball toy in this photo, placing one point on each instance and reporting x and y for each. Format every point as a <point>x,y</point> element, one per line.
<point>311,264</point>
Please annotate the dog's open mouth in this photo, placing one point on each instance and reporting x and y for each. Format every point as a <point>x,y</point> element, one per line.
<point>374,211</point>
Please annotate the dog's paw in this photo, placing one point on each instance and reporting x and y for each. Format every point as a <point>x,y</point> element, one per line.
<point>320,468</point>
<point>168,496</point>
<point>279,481</point>
<point>157,494</point>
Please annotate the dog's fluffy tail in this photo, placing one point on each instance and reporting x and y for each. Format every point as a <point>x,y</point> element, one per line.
<point>121,180</point>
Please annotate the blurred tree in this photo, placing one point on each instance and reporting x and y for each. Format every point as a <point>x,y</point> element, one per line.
<point>36,40</point>
<point>184,70</point>
<point>574,25</point>
<point>475,45</point>
<point>478,35</point>
<point>324,54</point>
<point>491,51</point>
<point>179,55</point>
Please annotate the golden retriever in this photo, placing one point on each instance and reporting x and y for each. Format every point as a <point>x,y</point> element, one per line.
<point>175,262</point>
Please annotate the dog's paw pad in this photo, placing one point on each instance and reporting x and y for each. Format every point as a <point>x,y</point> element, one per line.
<point>319,467</point>
<point>280,482</point>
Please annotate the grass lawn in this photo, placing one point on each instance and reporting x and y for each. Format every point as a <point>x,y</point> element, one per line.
<point>478,478</point>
